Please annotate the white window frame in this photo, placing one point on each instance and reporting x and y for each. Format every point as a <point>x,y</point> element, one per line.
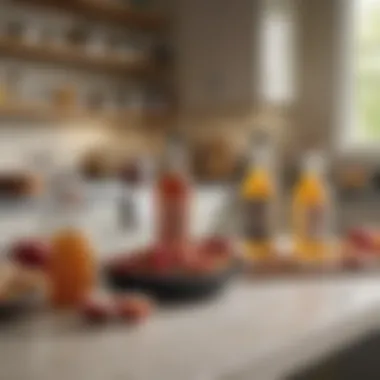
<point>348,138</point>
<point>277,75</point>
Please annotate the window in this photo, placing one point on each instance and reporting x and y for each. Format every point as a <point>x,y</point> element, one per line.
<point>277,64</point>
<point>365,24</point>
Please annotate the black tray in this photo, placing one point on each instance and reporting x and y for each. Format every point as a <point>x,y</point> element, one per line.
<point>172,287</point>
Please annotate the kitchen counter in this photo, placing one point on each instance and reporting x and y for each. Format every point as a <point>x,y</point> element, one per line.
<point>253,331</point>
<point>257,330</point>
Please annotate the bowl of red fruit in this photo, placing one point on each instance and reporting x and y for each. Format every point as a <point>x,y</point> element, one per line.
<point>202,269</point>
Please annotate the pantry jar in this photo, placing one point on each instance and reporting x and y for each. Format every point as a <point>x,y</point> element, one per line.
<point>72,270</point>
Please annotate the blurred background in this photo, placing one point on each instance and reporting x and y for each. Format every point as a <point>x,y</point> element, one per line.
<point>96,85</point>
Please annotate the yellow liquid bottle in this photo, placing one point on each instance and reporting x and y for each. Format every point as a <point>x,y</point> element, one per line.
<point>311,209</point>
<point>257,194</point>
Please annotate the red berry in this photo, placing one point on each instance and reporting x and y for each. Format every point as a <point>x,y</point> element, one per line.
<point>216,245</point>
<point>160,259</point>
<point>202,265</point>
<point>31,253</point>
<point>134,308</point>
<point>361,239</point>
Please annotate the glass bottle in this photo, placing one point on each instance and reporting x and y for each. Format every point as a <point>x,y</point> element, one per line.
<point>72,269</point>
<point>258,193</point>
<point>129,181</point>
<point>312,211</point>
<point>173,197</point>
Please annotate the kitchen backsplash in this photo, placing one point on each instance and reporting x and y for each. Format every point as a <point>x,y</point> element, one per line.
<point>66,144</point>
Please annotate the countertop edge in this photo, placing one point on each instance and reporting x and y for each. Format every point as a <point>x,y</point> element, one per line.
<point>308,349</point>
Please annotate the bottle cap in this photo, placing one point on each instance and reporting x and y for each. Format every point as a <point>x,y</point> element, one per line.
<point>314,162</point>
<point>260,147</point>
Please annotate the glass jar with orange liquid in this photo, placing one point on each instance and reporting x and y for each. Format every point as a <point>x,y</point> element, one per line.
<point>312,212</point>
<point>258,193</point>
<point>72,268</point>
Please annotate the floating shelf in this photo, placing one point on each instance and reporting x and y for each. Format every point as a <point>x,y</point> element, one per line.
<point>24,111</point>
<point>105,11</point>
<point>78,58</point>
<point>42,112</point>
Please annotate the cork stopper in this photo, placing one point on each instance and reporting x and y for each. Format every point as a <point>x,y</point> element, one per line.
<point>260,147</point>
<point>314,162</point>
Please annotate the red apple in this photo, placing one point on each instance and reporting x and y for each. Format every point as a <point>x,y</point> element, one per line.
<point>362,239</point>
<point>134,308</point>
<point>376,239</point>
<point>97,309</point>
<point>205,264</point>
<point>160,258</point>
<point>352,262</point>
<point>31,253</point>
<point>216,245</point>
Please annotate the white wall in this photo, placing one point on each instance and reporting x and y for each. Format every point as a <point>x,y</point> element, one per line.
<point>320,63</point>
<point>66,144</point>
<point>216,42</point>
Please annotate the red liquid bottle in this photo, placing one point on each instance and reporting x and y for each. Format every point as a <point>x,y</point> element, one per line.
<point>173,195</point>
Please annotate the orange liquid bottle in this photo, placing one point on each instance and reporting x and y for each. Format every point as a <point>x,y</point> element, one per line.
<point>173,195</point>
<point>311,213</point>
<point>258,193</point>
<point>72,269</point>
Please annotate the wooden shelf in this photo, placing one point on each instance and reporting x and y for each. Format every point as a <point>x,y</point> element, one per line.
<point>39,112</point>
<point>23,111</point>
<point>78,58</point>
<point>105,11</point>
<point>42,112</point>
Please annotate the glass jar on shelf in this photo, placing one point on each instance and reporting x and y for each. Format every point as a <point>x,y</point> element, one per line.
<point>14,82</point>
<point>130,178</point>
<point>110,104</point>
<point>116,45</point>
<point>3,27</point>
<point>133,46</point>
<point>15,30</point>
<point>65,95</point>
<point>96,42</point>
<point>136,100</point>
<point>57,31</point>
<point>94,100</point>
<point>32,34</point>
<point>78,36</point>
<point>3,85</point>
<point>156,100</point>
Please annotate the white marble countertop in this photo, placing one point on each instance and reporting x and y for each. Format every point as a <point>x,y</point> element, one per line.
<point>255,330</point>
